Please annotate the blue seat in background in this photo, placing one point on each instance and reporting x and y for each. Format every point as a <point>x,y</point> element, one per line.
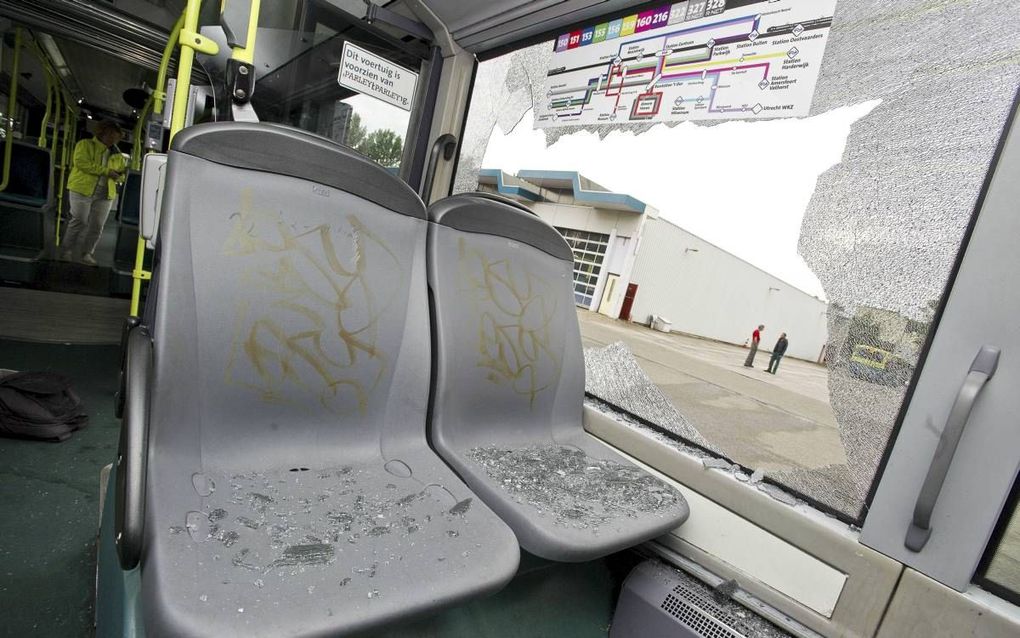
<point>28,194</point>
<point>128,208</point>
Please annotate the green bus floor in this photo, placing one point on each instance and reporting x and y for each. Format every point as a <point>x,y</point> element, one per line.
<point>544,600</point>
<point>49,496</point>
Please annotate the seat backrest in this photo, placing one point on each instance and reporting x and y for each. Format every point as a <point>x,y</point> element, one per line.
<point>290,324</point>
<point>129,205</point>
<point>31,176</point>
<point>509,363</point>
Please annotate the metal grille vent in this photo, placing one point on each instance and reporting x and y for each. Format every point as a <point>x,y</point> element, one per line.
<point>700,614</point>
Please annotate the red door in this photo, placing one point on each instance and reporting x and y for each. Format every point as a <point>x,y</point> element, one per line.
<point>628,301</point>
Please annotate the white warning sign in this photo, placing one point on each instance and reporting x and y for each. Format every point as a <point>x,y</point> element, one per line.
<point>370,74</point>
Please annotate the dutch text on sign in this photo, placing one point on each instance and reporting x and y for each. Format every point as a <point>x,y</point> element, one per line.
<point>372,75</point>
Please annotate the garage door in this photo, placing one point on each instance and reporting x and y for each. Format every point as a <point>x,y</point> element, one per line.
<point>589,252</point>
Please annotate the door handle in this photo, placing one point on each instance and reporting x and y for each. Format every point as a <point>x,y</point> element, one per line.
<point>981,370</point>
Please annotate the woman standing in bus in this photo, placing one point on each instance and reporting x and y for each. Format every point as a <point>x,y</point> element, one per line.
<point>97,167</point>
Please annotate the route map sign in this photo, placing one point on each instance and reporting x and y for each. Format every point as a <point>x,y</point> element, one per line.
<point>704,60</point>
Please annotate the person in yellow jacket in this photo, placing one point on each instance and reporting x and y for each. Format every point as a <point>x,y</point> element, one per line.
<point>96,169</point>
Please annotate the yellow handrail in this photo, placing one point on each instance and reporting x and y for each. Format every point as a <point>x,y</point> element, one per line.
<point>185,33</point>
<point>12,106</point>
<point>65,152</point>
<point>136,145</point>
<point>53,89</point>
<point>190,40</point>
<point>49,106</point>
<point>246,53</point>
<point>59,187</point>
<point>56,121</point>
<point>54,106</point>
<point>155,102</point>
<point>159,95</point>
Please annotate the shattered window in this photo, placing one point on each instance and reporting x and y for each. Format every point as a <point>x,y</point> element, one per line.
<point>816,248</point>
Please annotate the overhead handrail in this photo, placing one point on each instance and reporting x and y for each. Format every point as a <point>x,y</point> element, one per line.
<point>12,105</point>
<point>184,33</point>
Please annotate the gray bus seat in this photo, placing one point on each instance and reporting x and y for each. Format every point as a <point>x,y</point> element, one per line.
<point>24,202</point>
<point>285,485</point>
<point>509,388</point>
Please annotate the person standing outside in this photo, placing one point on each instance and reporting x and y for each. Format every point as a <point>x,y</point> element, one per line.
<point>755,340</point>
<point>777,353</point>
<point>96,169</point>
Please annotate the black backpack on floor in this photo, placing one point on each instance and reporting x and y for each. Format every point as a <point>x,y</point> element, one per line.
<point>39,405</point>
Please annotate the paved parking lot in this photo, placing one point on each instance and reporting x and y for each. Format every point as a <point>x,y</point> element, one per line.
<point>776,423</point>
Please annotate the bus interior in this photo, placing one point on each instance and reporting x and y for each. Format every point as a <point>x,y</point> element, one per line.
<point>438,318</point>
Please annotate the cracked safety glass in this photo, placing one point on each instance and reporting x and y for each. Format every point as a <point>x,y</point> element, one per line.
<point>757,286</point>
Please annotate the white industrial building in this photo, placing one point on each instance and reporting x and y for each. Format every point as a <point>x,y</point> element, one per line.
<point>631,264</point>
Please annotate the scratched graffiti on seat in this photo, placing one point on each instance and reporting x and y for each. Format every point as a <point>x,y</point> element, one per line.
<point>307,326</point>
<point>516,312</point>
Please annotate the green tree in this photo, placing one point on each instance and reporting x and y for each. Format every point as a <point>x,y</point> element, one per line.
<point>383,146</point>
<point>355,131</point>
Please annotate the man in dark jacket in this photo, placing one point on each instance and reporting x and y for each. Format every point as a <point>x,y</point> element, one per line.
<point>777,353</point>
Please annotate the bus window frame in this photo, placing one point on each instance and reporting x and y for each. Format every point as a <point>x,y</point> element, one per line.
<point>855,521</point>
<point>416,136</point>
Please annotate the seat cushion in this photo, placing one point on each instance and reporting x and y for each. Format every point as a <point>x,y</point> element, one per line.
<point>310,551</point>
<point>570,501</point>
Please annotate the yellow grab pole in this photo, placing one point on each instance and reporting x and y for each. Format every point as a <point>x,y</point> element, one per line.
<point>53,97</point>
<point>58,107</point>
<point>12,107</point>
<point>159,95</point>
<point>52,92</point>
<point>190,40</point>
<point>136,146</point>
<point>49,108</point>
<point>185,33</point>
<point>246,53</point>
<point>65,152</point>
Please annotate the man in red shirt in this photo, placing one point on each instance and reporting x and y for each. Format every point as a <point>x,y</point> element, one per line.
<point>755,339</point>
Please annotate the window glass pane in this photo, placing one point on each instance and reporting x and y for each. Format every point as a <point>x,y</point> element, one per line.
<point>300,83</point>
<point>838,229</point>
<point>1003,571</point>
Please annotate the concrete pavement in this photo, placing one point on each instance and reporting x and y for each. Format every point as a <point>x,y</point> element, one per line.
<point>780,423</point>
